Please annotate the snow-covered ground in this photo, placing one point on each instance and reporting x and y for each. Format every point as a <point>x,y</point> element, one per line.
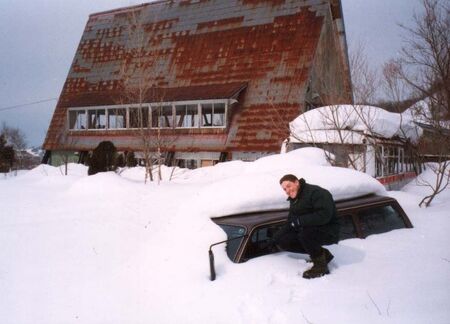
<point>110,249</point>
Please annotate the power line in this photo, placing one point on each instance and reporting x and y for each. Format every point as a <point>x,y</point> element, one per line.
<point>27,104</point>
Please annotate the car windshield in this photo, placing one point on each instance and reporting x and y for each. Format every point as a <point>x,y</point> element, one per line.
<point>233,232</point>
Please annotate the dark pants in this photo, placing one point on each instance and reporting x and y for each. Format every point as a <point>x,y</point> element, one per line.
<point>306,240</point>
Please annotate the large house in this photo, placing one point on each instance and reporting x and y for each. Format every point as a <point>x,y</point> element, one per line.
<point>200,81</point>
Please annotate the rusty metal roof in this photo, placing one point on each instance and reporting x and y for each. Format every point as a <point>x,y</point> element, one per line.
<point>200,49</point>
<point>204,92</point>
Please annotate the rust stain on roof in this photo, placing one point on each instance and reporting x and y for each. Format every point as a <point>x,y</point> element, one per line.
<point>107,95</point>
<point>190,2</point>
<point>257,2</point>
<point>221,23</point>
<point>200,49</point>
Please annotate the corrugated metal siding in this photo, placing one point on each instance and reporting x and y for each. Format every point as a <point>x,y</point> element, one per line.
<point>268,45</point>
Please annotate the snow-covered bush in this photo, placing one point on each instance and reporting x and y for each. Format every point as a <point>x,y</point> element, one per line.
<point>103,158</point>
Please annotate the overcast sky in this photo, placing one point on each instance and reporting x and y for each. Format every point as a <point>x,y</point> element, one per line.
<point>38,40</point>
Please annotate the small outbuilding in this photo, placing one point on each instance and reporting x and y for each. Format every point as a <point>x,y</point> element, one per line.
<point>366,138</point>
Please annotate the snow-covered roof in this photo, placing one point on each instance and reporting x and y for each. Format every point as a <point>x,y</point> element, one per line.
<point>351,124</point>
<point>422,115</point>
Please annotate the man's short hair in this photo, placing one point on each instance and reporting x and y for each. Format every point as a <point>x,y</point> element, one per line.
<point>288,177</point>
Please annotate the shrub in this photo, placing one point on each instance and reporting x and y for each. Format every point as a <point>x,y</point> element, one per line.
<point>120,160</point>
<point>7,155</point>
<point>103,158</point>
<point>131,160</point>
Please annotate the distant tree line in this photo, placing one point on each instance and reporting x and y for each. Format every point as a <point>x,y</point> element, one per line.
<point>7,155</point>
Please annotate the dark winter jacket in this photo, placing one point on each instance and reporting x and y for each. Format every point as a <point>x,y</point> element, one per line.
<point>313,206</point>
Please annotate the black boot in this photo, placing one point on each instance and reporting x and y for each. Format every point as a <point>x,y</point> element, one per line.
<point>328,256</point>
<point>319,267</point>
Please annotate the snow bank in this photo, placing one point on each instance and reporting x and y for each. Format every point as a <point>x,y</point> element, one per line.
<point>358,118</point>
<point>138,173</point>
<point>108,249</point>
<point>422,185</point>
<point>44,170</point>
<point>255,186</point>
<point>238,186</point>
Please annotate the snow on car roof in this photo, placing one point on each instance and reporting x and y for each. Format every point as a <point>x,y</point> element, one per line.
<point>237,187</point>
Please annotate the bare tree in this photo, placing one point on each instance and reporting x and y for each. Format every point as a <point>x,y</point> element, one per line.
<point>66,153</point>
<point>425,69</point>
<point>393,86</point>
<point>365,79</point>
<point>138,73</point>
<point>7,155</point>
<point>16,138</point>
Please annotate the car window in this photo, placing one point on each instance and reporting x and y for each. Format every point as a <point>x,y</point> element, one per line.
<point>262,234</point>
<point>233,232</point>
<point>377,220</point>
<point>347,229</point>
<point>257,246</point>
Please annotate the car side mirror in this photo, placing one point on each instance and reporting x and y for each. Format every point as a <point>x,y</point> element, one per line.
<point>212,268</point>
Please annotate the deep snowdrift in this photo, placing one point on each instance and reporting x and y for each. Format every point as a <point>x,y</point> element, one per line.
<point>109,249</point>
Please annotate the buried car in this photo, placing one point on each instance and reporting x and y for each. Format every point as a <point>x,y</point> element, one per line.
<point>360,217</point>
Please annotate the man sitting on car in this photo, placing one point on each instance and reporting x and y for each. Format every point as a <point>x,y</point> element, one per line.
<point>312,222</point>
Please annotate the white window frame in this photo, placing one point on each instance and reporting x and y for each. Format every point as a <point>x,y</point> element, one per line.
<point>108,120</point>
<point>151,106</point>
<point>198,117</point>
<point>137,106</point>
<point>398,157</point>
<point>213,104</point>
<point>85,119</point>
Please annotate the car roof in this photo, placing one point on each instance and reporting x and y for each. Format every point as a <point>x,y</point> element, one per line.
<point>249,219</point>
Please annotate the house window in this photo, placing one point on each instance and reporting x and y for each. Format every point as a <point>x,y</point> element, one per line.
<point>409,162</point>
<point>162,117</point>
<point>389,160</point>
<point>207,163</point>
<point>77,119</point>
<point>97,119</point>
<point>213,115</point>
<point>182,114</point>
<point>187,163</point>
<point>138,117</point>
<point>117,118</point>
<point>401,160</point>
<point>186,116</point>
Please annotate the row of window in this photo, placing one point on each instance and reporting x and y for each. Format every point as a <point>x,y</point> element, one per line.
<point>162,116</point>
<point>392,160</point>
